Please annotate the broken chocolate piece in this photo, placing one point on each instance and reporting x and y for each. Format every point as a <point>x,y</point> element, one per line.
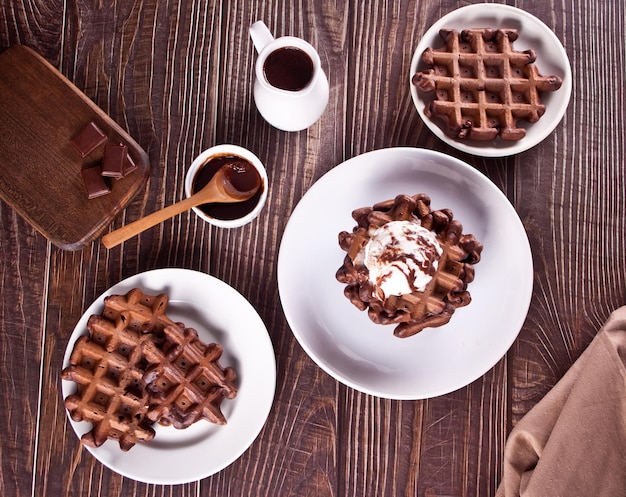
<point>129,165</point>
<point>90,138</point>
<point>113,160</point>
<point>95,184</point>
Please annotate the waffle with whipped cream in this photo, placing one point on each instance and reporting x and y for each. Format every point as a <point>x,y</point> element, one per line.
<point>438,250</point>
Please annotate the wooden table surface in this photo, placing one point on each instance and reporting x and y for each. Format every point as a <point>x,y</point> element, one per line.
<point>178,76</point>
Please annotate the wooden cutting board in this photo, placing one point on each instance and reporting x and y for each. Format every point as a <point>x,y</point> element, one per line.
<point>40,112</point>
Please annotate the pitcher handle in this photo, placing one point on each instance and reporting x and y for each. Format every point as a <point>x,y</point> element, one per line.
<point>260,35</point>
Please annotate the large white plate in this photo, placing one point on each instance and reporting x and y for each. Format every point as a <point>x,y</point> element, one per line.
<point>220,314</point>
<point>533,34</point>
<point>368,357</point>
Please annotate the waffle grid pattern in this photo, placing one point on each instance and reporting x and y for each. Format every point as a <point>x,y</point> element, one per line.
<point>185,381</point>
<point>112,366</point>
<point>482,86</point>
<point>444,293</point>
<point>108,367</point>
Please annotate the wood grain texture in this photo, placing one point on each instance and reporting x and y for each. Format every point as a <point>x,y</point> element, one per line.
<point>22,317</point>
<point>41,179</point>
<point>177,76</point>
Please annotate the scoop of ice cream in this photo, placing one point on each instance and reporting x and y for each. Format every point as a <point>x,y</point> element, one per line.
<point>402,257</point>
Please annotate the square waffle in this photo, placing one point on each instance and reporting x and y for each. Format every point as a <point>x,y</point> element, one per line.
<point>447,289</point>
<point>108,367</point>
<point>185,380</point>
<point>482,86</point>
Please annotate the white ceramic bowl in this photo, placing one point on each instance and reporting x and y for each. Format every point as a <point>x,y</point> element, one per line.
<point>533,34</point>
<point>222,150</point>
<point>366,356</point>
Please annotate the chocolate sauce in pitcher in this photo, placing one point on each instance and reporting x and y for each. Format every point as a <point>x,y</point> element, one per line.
<point>288,68</point>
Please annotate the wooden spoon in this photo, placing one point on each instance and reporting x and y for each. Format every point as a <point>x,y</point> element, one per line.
<point>220,189</point>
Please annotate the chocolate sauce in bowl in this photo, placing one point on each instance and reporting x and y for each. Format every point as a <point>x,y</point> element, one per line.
<point>241,174</point>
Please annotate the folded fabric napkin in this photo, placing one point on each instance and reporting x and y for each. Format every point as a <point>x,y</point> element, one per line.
<point>573,442</point>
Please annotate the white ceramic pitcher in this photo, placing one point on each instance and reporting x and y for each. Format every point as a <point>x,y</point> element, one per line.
<point>286,109</point>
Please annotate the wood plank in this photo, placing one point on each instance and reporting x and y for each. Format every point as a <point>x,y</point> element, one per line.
<point>430,447</point>
<point>296,454</point>
<point>23,294</point>
<point>40,176</point>
<point>568,196</point>
<point>178,77</point>
<point>149,78</point>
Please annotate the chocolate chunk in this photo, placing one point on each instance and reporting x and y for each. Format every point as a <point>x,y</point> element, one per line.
<point>90,138</point>
<point>114,160</point>
<point>129,165</point>
<point>95,184</point>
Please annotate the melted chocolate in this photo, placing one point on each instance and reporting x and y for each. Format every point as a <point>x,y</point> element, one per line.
<point>241,174</point>
<point>288,68</point>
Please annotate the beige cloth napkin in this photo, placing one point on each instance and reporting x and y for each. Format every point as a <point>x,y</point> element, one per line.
<point>573,442</point>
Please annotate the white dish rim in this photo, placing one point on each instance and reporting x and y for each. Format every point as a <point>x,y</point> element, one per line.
<point>256,385</point>
<point>556,102</point>
<point>290,305</point>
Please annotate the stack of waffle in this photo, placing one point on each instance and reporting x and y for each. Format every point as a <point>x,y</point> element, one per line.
<point>137,367</point>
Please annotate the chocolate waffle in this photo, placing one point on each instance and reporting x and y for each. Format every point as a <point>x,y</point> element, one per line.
<point>185,380</point>
<point>108,368</point>
<point>482,86</point>
<point>447,289</point>
<point>141,312</point>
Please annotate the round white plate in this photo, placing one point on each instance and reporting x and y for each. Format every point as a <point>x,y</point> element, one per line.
<point>366,356</point>
<point>220,314</point>
<point>533,34</point>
